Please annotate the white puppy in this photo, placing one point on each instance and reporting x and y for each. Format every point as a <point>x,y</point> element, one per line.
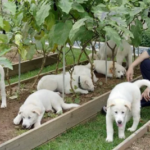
<point>121,54</point>
<point>2,87</point>
<point>124,102</point>
<point>100,67</point>
<point>33,109</point>
<point>83,70</point>
<point>80,84</point>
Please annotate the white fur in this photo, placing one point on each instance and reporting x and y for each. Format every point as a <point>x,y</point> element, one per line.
<point>55,83</point>
<point>124,102</point>
<point>2,87</point>
<point>83,70</point>
<point>121,54</point>
<point>34,107</point>
<point>100,67</point>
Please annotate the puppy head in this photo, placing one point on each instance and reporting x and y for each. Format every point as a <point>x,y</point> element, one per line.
<point>120,71</point>
<point>29,115</point>
<point>119,111</point>
<point>87,83</point>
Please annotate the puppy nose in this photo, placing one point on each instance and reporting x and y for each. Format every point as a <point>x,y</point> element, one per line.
<point>122,76</point>
<point>119,122</point>
<point>24,126</point>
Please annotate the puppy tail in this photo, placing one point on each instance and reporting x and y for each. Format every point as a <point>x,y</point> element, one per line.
<point>142,82</point>
<point>66,106</point>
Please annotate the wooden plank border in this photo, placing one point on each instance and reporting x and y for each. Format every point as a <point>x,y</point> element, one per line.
<point>133,137</point>
<point>56,126</point>
<point>32,64</point>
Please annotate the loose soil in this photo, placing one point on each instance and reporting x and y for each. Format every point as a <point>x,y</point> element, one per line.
<point>8,130</point>
<point>142,143</point>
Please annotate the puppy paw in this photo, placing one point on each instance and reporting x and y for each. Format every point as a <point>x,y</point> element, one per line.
<point>109,139</point>
<point>3,105</point>
<point>122,136</point>
<point>85,92</point>
<point>131,129</point>
<point>36,125</point>
<point>16,121</point>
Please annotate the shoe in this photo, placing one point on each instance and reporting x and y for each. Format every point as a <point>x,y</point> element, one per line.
<point>104,110</point>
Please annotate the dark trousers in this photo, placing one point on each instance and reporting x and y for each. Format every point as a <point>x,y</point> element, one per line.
<point>145,71</point>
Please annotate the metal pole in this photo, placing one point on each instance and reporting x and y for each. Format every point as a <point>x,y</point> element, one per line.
<point>19,73</point>
<point>106,59</point>
<point>64,64</point>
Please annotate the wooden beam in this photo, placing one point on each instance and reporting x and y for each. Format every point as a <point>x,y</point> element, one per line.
<point>32,65</point>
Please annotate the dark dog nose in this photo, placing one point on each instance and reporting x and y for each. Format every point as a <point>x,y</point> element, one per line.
<point>119,122</point>
<point>122,76</point>
<point>24,126</point>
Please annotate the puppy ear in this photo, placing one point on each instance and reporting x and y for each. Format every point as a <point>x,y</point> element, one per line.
<point>111,70</point>
<point>111,105</point>
<point>37,111</point>
<point>128,106</point>
<point>20,112</point>
<point>86,82</point>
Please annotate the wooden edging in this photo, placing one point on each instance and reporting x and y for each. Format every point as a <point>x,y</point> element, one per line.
<point>133,137</point>
<point>32,64</point>
<point>56,126</point>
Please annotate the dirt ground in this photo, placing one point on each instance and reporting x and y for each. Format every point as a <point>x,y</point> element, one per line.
<point>8,130</point>
<point>142,143</point>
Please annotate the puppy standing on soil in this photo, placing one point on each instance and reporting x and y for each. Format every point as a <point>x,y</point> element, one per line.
<point>33,109</point>
<point>2,87</point>
<point>124,102</point>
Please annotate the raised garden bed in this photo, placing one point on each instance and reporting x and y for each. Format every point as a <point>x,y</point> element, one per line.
<point>55,126</point>
<point>33,64</point>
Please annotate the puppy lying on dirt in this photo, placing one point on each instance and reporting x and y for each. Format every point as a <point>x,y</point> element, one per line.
<point>100,67</point>
<point>33,109</point>
<point>83,70</point>
<point>2,87</point>
<point>80,84</point>
<point>124,103</point>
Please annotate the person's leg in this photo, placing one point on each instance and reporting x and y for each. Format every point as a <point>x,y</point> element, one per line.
<point>145,70</point>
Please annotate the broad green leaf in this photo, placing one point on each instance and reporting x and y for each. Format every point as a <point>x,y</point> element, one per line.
<point>3,38</point>
<point>50,21</point>
<point>42,13</point>
<point>113,35</point>
<point>136,41</point>
<point>76,27</point>
<point>60,32</point>
<point>23,52</point>
<point>18,39</point>
<point>78,7</point>
<point>65,5</point>
<point>7,26</point>
<point>3,52</point>
<point>10,7</point>
<point>6,63</point>
<point>82,34</point>
<point>30,52</point>
<point>81,1</point>
<point>1,22</point>
<point>19,18</point>
<point>38,45</point>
